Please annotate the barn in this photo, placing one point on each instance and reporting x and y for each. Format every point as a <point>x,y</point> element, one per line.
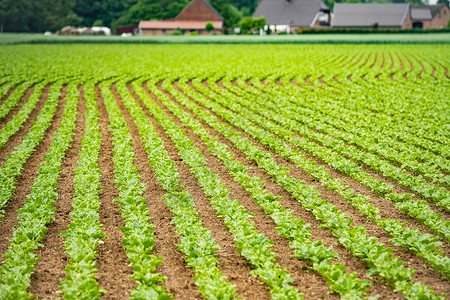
<point>389,15</point>
<point>294,14</point>
<point>193,17</point>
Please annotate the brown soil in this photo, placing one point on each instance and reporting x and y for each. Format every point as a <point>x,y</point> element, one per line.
<point>336,79</point>
<point>17,138</point>
<point>231,263</point>
<point>374,61</point>
<point>352,263</point>
<point>358,60</point>
<point>383,60</point>
<point>392,61</point>
<point>112,262</point>
<point>308,82</point>
<point>397,187</point>
<point>400,61</point>
<point>278,82</point>
<point>49,270</point>
<point>26,178</point>
<point>179,278</point>
<point>8,93</point>
<point>424,273</point>
<point>263,224</point>
<point>19,105</point>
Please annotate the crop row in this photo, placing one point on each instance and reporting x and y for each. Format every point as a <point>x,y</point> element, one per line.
<point>138,232</point>
<point>316,253</point>
<point>417,209</point>
<point>422,244</point>
<point>251,244</point>
<point>355,238</point>
<point>85,230</point>
<point>38,209</point>
<point>330,137</point>
<point>196,241</point>
<point>13,165</point>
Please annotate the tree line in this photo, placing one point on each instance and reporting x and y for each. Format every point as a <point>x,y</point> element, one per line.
<point>52,15</point>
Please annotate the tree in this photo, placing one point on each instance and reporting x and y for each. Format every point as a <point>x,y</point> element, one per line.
<point>150,10</point>
<point>107,11</point>
<point>250,23</point>
<point>209,26</point>
<point>446,2</point>
<point>232,16</point>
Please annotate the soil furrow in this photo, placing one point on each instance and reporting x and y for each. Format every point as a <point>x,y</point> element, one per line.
<point>306,79</point>
<point>425,274</point>
<point>26,178</point>
<point>383,60</point>
<point>374,61</point>
<point>49,271</point>
<point>263,224</point>
<point>16,138</point>
<point>352,263</point>
<point>400,61</point>
<point>397,187</point>
<point>8,93</point>
<point>179,278</point>
<point>112,262</point>
<point>21,102</point>
<point>231,263</point>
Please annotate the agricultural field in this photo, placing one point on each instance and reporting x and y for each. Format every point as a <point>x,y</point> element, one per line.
<point>224,171</point>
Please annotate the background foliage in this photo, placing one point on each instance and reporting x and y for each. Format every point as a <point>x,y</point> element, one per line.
<point>43,15</point>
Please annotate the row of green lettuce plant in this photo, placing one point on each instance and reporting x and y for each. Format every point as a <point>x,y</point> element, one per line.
<point>376,89</point>
<point>38,209</point>
<point>316,253</point>
<point>422,244</point>
<point>417,184</point>
<point>196,241</point>
<point>355,238</point>
<point>396,124</point>
<point>254,246</point>
<point>5,86</point>
<point>399,134</point>
<point>372,139</point>
<point>14,98</point>
<point>138,232</point>
<point>387,126</point>
<point>17,121</point>
<point>398,137</point>
<point>416,209</point>
<point>13,165</point>
<point>85,230</point>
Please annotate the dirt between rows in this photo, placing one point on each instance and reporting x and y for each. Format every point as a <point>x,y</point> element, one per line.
<point>424,273</point>
<point>112,263</point>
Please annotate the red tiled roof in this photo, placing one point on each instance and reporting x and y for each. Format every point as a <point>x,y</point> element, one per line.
<point>174,24</point>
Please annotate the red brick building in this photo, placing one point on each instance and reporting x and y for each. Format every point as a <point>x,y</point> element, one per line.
<point>193,17</point>
<point>428,16</point>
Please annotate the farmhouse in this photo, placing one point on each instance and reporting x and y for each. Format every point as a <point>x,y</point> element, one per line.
<point>193,17</point>
<point>428,16</point>
<point>294,14</point>
<point>364,15</point>
<point>389,15</point>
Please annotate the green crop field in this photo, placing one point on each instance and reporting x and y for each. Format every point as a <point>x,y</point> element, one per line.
<point>281,171</point>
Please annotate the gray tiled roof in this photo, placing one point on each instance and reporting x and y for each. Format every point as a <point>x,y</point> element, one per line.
<point>293,12</point>
<point>420,13</point>
<point>369,14</point>
<point>434,9</point>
